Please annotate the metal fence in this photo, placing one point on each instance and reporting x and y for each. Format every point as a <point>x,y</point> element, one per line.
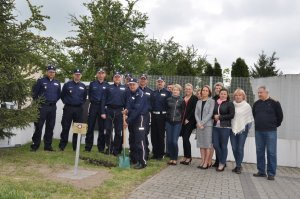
<point>231,84</point>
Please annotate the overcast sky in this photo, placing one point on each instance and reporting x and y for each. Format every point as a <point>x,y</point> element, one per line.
<point>222,29</point>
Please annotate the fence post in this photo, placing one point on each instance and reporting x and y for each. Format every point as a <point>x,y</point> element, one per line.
<point>211,82</point>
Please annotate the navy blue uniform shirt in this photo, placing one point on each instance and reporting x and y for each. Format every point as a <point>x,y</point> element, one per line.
<point>136,105</point>
<point>148,93</point>
<point>73,93</point>
<point>49,89</point>
<point>96,91</point>
<point>159,99</point>
<point>115,95</point>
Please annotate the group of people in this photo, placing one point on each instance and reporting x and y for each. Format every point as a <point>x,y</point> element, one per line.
<point>167,113</point>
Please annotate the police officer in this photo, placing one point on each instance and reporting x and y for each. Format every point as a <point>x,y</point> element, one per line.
<point>115,101</point>
<point>73,96</point>
<point>96,111</point>
<point>143,82</point>
<point>158,118</point>
<point>127,77</point>
<point>49,90</point>
<point>137,110</point>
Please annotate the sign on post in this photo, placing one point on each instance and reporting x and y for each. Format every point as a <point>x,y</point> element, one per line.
<point>80,129</point>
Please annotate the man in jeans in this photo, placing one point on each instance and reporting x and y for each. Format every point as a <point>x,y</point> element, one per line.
<point>268,116</point>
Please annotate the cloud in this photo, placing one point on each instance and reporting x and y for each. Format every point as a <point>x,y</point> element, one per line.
<point>222,29</point>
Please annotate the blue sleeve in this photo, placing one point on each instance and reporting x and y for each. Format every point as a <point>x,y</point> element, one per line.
<point>103,100</point>
<point>90,90</point>
<point>84,94</point>
<point>35,89</point>
<point>58,91</point>
<point>63,93</point>
<point>138,111</point>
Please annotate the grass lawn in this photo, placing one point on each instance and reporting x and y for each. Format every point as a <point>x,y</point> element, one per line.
<point>23,174</point>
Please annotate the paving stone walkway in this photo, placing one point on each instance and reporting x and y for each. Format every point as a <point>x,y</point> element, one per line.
<point>189,182</point>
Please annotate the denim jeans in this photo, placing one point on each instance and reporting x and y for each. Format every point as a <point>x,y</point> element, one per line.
<point>237,144</point>
<point>173,131</point>
<point>220,142</point>
<point>266,140</point>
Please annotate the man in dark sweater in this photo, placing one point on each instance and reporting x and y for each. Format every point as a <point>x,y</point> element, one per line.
<point>268,116</point>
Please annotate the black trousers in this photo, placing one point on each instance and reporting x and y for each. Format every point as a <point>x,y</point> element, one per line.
<point>70,114</point>
<point>158,123</point>
<point>48,115</point>
<point>138,140</point>
<point>132,128</point>
<point>147,131</point>
<point>114,120</point>
<point>186,132</point>
<point>95,115</point>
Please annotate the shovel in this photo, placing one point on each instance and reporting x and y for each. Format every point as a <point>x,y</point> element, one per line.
<point>124,161</point>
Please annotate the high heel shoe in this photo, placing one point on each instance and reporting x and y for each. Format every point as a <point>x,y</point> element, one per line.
<point>187,161</point>
<point>183,161</point>
<point>200,166</point>
<point>220,170</point>
<point>204,167</point>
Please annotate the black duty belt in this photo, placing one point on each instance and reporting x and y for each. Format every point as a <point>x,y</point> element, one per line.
<point>74,105</point>
<point>96,102</point>
<point>49,104</point>
<point>114,106</point>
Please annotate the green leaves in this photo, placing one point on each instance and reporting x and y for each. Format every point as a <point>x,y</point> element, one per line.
<point>21,52</point>
<point>265,66</point>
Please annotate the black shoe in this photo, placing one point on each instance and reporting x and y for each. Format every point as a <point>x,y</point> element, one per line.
<point>87,150</point>
<point>160,158</point>
<point>259,175</point>
<point>140,166</point>
<point>61,149</point>
<point>234,170</point>
<point>153,157</point>
<point>49,149</point>
<point>101,151</point>
<point>33,149</point>
<point>204,167</point>
<point>133,161</point>
<point>216,164</point>
<point>220,170</point>
<point>238,170</point>
<point>271,178</point>
<point>188,161</point>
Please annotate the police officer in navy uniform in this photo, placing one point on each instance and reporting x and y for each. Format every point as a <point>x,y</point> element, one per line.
<point>137,110</point>
<point>49,90</point>
<point>115,101</point>
<point>143,82</point>
<point>73,96</point>
<point>96,111</point>
<point>158,118</point>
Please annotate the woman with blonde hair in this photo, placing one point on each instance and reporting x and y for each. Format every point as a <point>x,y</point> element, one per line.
<point>240,125</point>
<point>188,122</point>
<point>173,122</point>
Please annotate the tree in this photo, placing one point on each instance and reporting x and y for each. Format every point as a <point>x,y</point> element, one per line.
<point>239,68</point>
<point>21,51</point>
<point>240,79</point>
<point>217,69</point>
<point>209,70</point>
<point>265,66</point>
<point>187,62</point>
<point>108,36</point>
<point>201,65</point>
